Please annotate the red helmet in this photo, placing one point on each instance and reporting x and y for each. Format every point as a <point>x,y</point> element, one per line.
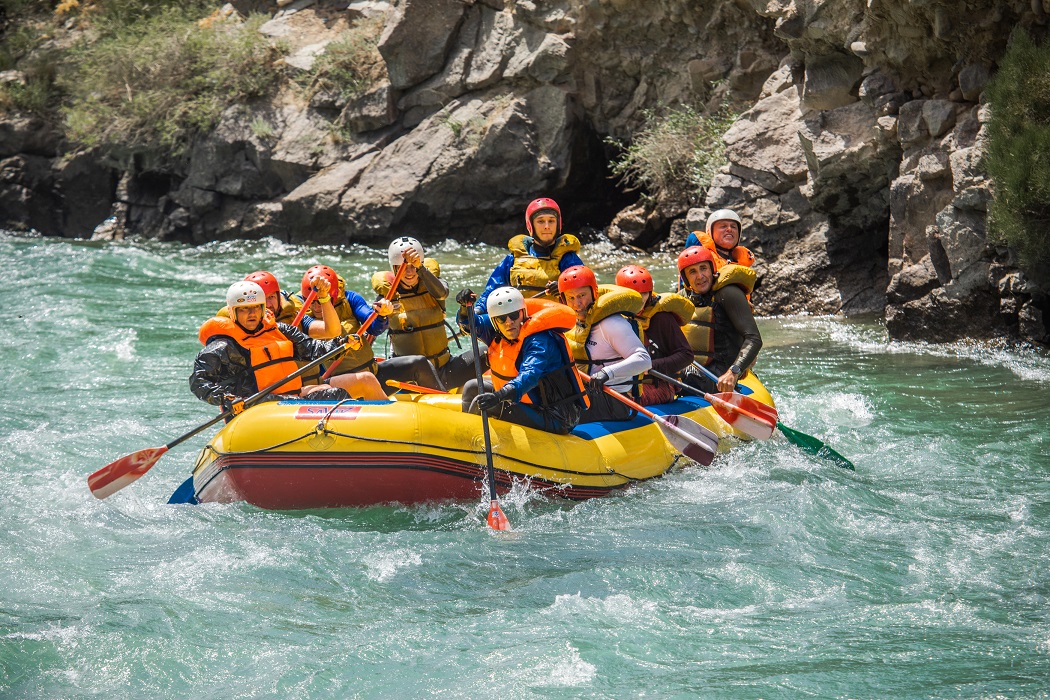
<point>694,255</point>
<point>577,276</point>
<point>538,205</point>
<point>635,277</point>
<point>265,280</point>
<point>320,270</point>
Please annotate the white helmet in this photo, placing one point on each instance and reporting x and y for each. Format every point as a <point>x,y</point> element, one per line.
<point>244,294</point>
<point>503,301</point>
<point>723,215</point>
<point>399,246</point>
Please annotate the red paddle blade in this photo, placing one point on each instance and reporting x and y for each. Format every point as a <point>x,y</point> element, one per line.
<point>497,520</point>
<point>750,405</point>
<point>689,437</point>
<point>745,414</point>
<point>119,473</point>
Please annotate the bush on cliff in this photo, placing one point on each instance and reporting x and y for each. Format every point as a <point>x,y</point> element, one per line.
<point>675,154</point>
<point>150,79</point>
<point>1018,153</point>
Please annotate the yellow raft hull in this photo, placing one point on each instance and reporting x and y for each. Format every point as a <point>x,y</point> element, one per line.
<point>421,448</point>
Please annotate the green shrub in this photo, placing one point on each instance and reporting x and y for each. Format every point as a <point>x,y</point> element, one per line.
<point>675,154</point>
<point>1018,152</point>
<point>350,65</point>
<point>156,81</point>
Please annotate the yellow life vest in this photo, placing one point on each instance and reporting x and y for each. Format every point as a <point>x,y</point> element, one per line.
<point>612,299</point>
<point>419,327</point>
<point>675,304</point>
<point>530,274</point>
<point>700,330</point>
<point>270,353</point>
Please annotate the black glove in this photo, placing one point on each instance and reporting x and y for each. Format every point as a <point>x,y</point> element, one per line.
<point>489,401</point>
<point>596,382</point>
<point>551,289</point>
<point>466,297</point>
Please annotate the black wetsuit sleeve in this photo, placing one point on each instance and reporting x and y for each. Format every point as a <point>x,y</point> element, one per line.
<point>218,370</point>
<point>674,353</point>
<point>308,349</point>
<point>435,285</point>
<point>738,309</point>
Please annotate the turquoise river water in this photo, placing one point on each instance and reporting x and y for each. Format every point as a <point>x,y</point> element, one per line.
<point>771,574</point>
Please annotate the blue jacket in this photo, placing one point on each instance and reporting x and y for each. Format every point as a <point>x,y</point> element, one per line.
<point>362,310</point>
<point>500,277</point>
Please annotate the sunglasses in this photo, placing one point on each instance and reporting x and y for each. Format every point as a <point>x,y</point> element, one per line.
<point>505,318</point>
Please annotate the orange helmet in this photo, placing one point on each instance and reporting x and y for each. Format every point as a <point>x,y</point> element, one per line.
<point>537,206</point>
<point>694,255</point>
<point>635,277</point>
<point>323,271</point>
<point>265,280</point>
<point>577,276</point>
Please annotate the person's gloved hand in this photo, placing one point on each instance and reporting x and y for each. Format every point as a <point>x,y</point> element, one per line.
<point>383,307</point>
<point>489,401</point>
<point>466,297</point>
<point>597,381</point>
<point>233,403</point>
<point>551,288</point>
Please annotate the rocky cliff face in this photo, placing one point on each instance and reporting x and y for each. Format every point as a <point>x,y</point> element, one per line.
<point>855,165</point>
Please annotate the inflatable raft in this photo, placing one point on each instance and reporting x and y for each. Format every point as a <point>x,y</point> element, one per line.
<point>303,454</point>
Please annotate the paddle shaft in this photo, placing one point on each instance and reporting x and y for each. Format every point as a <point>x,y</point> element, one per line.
<point>372,317</point>
<point>756,426</point>
<point>306,305</point>
<point>662,422</point>
<point>489,469</point>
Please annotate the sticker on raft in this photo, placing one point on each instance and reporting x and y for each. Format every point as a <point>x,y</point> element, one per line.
<point>315,412</point>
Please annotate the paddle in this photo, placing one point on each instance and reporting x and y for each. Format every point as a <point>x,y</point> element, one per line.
<point>413,387</point>
<point>686,435</point>
<point>808,443</point>
<point>496,519</point>
<point>119,473</point>
<point>742,412</point>
<point>402,268</point>
<point>306,305</point>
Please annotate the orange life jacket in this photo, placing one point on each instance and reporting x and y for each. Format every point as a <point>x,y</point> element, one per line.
<point>543,315</point>
<point>269,351</point>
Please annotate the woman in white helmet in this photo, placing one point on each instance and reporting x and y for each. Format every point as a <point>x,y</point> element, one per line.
<point>722,238</point>
<point>417,326</point>
<point>534,381</point>
<point>249,350</point>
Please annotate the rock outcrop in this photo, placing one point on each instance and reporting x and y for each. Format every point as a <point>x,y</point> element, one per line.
<point>855,162</point>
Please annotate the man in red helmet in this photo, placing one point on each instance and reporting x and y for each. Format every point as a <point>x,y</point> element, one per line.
<point>722,332</point>
<point>660,327</point>
<point>535,260</point>
<point>604,342</point>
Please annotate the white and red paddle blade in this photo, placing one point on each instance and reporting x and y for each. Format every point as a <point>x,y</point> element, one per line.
<point>119,473</point>
<point>689,437</point>
<point>747,415</point>
<point>496,519</point>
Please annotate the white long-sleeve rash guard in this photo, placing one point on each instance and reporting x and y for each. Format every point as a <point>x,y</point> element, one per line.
<point>614,337</point>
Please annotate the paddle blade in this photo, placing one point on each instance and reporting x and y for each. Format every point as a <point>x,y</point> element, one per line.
<point>816,447</point>
<point>119,473</point>
<point>745,414</point>
<point>689,437</point>
<point>497,520</point>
